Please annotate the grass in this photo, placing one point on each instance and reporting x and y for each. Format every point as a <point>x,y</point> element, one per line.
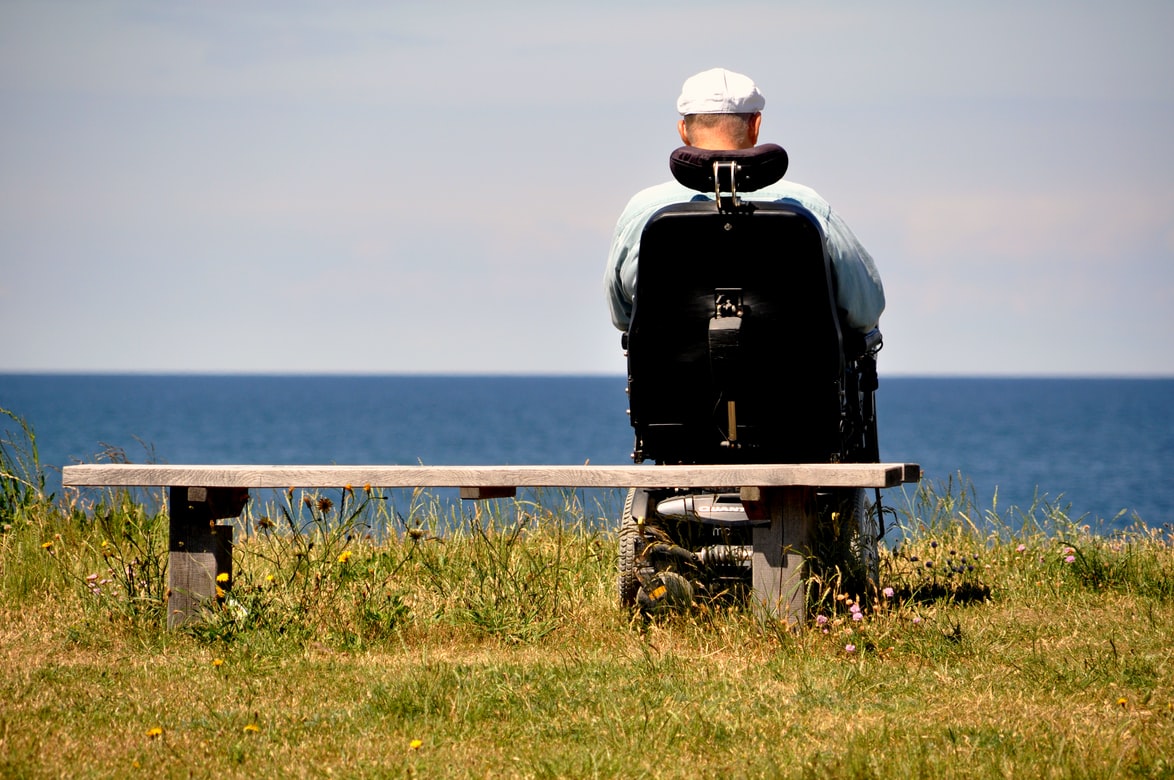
<point>391,635</point>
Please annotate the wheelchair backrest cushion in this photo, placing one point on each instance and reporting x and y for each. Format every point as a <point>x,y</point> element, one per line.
<point>781,362</point>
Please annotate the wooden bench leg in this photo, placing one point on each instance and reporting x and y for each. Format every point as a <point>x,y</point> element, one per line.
<point>780,553</point>
<point>199,549</point>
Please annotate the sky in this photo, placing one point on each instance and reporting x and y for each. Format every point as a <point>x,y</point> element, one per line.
<point>372,187</point>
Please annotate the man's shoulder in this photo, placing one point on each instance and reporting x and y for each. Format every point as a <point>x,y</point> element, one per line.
<point>788,188</point>
<point>793,192</point>
<point>644,203</point>
<point>673,191</point>
<point>663,194</point>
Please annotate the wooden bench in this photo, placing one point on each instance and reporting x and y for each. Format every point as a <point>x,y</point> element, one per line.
<point>200,549</point>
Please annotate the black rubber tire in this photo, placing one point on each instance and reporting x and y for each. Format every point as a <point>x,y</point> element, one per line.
<point>846,542</point>
<point>626,582</point>
<point>669,591</point>
<point>864,546</point>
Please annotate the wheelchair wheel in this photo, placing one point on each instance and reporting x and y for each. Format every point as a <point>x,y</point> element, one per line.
<point>848,539</point>
<point>628,584</point>
<point>863,525</point>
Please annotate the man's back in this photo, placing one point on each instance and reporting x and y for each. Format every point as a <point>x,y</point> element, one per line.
<point>859,291</point>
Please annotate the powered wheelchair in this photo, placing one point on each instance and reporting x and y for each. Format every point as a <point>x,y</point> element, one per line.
<point>736,354</point>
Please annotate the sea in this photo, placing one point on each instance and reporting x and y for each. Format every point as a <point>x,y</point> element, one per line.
<point>1100,449</point>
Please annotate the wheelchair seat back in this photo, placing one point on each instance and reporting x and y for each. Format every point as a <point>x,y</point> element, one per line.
<point>735,350</point>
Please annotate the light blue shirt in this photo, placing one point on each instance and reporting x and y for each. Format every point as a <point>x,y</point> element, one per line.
<point>859,293</point>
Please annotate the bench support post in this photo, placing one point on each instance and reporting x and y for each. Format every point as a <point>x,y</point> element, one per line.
<point>779,559</point>
<point>199,549</point>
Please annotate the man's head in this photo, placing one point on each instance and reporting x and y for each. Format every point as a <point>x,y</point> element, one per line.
<point>720,109</point>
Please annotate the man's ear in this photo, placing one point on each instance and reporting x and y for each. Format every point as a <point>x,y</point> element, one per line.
<point>684,133</point>
<point>755,126</point>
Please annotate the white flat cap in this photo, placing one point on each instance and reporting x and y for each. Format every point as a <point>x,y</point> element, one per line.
<point>719,91</point>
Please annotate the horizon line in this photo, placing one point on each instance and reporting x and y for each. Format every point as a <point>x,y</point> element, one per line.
<point>531,374</point>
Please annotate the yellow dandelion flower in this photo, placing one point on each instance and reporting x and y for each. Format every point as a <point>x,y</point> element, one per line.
<point>269,578</point>
<point>1123,702</point>
<point>345,556</point>
<point>252,728</point>
<point>47,545</point>
<point>219,592</point>
<point>222,577</point>
<point>154,732</point>
<point>348,489</point>
<point>367,488</point>
<point>218,662</point>
<point>415,744</point>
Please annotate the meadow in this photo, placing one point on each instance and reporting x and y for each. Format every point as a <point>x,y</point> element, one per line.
<point>371,634</point>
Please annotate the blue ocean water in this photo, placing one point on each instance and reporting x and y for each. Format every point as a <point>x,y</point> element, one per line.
<point>1102,446</point>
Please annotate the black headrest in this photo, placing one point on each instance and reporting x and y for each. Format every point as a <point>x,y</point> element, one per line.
<point>757,167</point>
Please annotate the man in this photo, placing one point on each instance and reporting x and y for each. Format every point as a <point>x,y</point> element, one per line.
<point>721,109</point>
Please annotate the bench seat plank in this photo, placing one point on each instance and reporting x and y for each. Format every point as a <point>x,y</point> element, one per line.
<point>879,475</point>
<point>201,550</point>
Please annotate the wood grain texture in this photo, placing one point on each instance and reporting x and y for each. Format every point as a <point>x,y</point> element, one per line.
<point>780,553</point>
<point>199,550</point>
<point>880,475</point>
